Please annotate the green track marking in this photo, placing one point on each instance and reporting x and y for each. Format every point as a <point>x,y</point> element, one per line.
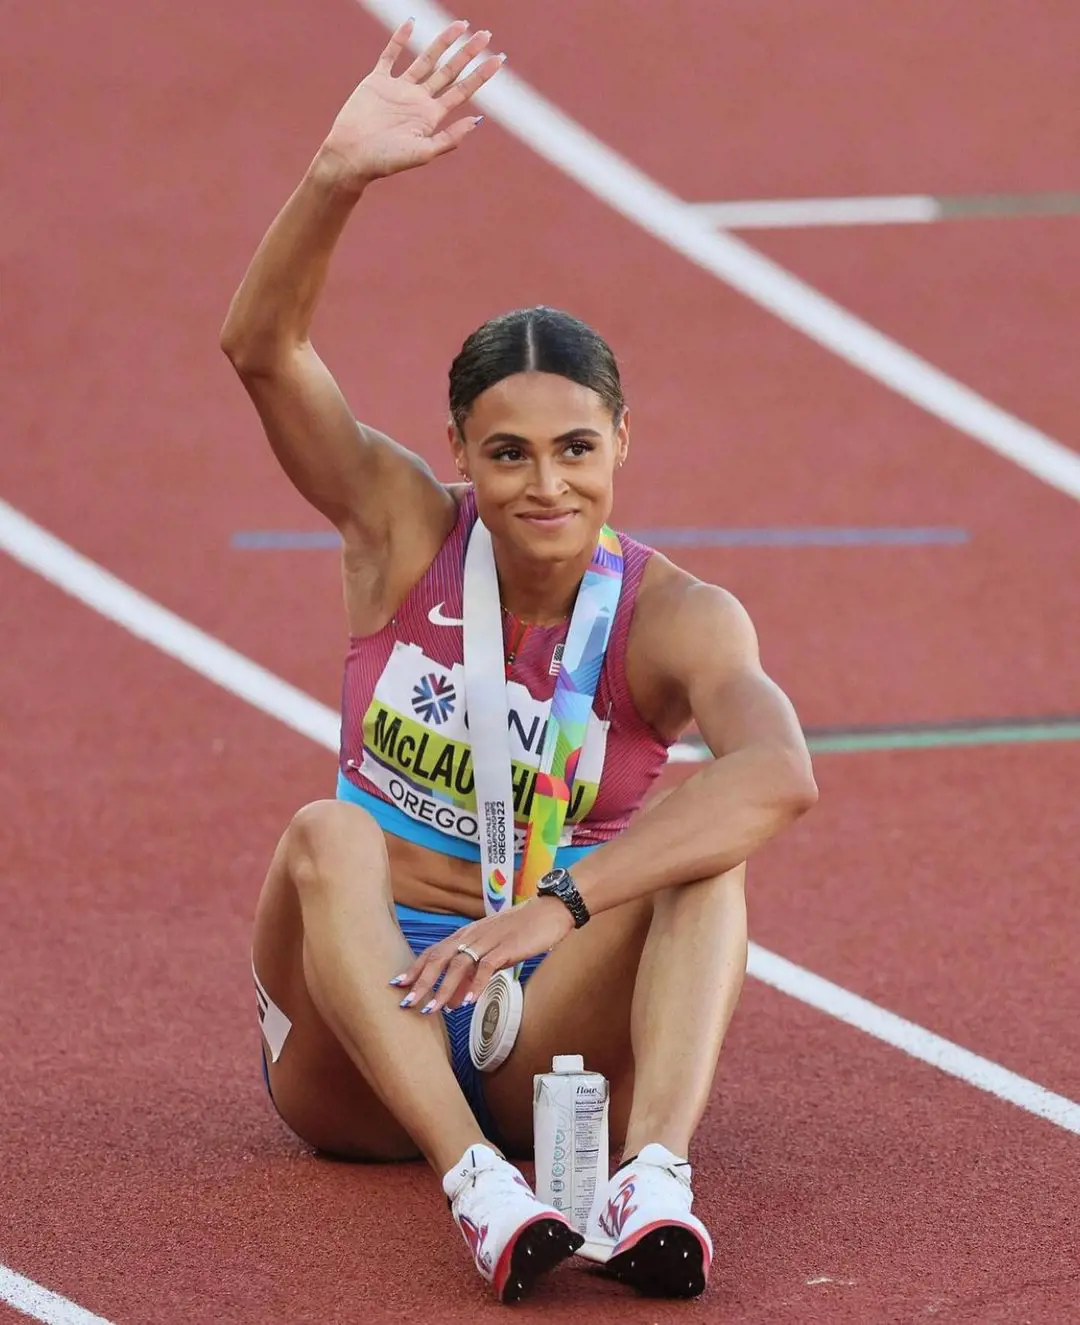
<point>939,738</point>
<point>1010,204</point>
<point>855,740</point>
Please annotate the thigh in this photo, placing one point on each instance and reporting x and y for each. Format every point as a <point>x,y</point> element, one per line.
<point>315,1086</point>
<point>577,1002</point>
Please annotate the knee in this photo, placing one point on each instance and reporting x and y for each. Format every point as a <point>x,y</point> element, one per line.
<point>720,890</point>
<point>325,839</point>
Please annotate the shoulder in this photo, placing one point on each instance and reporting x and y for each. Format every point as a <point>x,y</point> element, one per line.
<point>685,633</point>
<point>673,604</point>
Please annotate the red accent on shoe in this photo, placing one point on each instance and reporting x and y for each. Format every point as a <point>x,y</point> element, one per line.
<point>631,1242</point>
<point>502,1268</point>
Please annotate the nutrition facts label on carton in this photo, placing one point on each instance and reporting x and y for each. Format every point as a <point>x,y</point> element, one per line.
<point>571,1139</point>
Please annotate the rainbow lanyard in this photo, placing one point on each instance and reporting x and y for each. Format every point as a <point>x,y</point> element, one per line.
<point>567,721</point>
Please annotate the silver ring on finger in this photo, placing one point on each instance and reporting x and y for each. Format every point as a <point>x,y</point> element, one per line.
<point>464,947</point>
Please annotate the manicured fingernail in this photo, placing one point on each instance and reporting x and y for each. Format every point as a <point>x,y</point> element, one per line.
<point>397,980</point>
<point>478,121</point>
<point>428,1007</point>
<point>407,1001</point>
<point>470,997</point>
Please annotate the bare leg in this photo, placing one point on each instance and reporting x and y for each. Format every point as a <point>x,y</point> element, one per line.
<point>646,997</point>
<point>328,972</point>
<point>577,1002</point>
<point>688,983</point>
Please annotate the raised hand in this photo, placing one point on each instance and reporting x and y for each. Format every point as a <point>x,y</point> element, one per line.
<point>390,124</point>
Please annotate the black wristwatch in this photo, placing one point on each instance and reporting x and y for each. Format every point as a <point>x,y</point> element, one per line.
<point>559,883</point>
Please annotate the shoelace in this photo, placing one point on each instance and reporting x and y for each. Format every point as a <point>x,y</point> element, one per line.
<point>681,1177</point>
<point>672,1170</point>
<point>501,1182</point>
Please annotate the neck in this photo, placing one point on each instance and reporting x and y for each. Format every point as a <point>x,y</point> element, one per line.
<point>539,593</point>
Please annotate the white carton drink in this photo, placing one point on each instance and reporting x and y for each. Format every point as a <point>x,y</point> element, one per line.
<point>570,1132</point>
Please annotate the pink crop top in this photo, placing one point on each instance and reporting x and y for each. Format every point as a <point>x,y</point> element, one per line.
<point>404,740</point>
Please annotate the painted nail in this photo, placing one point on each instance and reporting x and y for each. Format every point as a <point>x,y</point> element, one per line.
<point>476,124</point>
<point>397,980</point>
<point>470,997</point>
<point>428,1007</point>
<point>407,1001</point>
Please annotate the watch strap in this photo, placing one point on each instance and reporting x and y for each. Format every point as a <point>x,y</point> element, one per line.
<point>560,883</point>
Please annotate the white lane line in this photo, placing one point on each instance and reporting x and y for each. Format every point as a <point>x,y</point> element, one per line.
<point>563,142</point>
<point>44,553</point>
<point>901,209</point>
<point>84,579</point>
<point>687,752</point>
<point>912,1039</point>
<point>786,213</point>
<point>33,1300</point>
<point>77,575</point>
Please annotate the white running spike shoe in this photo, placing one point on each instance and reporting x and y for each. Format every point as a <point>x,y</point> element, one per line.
<point>513,1236</point>
<point>642,1231</point>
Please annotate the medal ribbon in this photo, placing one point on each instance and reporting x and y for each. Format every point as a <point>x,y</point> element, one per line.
<point>571,704</point>
<point>567,722</point>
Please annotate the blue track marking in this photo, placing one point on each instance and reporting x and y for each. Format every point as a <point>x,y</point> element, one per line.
<point>824,536</point>
<point>289,539</point>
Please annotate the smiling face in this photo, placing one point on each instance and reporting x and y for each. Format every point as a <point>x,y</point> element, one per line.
<point>541,452</point>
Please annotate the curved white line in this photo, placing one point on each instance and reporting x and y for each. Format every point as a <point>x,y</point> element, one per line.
<point>563,142</point>
<point>40,1303</point>
<point>77,575</point>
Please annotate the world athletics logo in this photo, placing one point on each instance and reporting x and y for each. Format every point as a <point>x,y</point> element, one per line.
<point>497,889</point>
<point>433,699</point>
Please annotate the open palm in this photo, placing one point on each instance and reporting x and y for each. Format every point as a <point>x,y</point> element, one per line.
<point>390,124</point>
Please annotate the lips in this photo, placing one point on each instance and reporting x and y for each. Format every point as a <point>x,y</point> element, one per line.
<point>547,517</point>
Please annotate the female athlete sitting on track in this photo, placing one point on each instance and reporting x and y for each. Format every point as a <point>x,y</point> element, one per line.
<point>635,957</point>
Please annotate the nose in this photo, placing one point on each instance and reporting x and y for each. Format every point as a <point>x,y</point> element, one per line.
<point>547,483</point>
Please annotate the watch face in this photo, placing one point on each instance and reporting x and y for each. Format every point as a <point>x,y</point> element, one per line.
<point>560,883</point>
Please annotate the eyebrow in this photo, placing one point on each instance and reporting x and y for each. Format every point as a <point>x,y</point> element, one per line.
<point>502,438</point>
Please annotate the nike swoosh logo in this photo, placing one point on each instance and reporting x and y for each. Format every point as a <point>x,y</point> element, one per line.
<point>436,617</point>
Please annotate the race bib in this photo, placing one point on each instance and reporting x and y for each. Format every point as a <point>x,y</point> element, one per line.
<point>416,747</point>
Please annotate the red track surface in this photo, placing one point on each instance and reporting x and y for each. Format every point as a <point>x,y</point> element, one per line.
<point>144,1173</point>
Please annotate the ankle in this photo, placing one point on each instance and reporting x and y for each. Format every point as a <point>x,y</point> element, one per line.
<point>671,1138</point>
<point>445,1158</point>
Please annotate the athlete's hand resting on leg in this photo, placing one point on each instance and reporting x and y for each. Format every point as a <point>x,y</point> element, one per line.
<point>497,942</point>
<point>390,124</point>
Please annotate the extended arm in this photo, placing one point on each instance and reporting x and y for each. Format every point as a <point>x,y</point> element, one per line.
<point>350,473</point>
<point>362,481</point>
